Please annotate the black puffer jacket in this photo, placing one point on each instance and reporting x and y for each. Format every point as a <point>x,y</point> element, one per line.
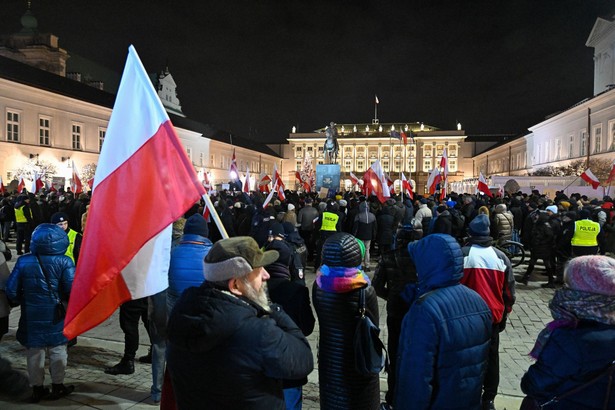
<point>341,386</point>
<point>225,352</point>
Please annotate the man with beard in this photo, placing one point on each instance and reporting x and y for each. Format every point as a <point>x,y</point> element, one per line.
<point>228,346</point>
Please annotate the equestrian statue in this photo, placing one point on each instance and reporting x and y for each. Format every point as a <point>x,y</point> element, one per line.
<point>331,146</point>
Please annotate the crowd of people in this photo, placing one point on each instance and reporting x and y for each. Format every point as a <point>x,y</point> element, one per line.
<point>232,325</point>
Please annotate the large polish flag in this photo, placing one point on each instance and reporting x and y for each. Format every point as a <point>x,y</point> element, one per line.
<point>144,181</point>
<point>406,186</point>
<point>375,182</point>
<point>433,180</point>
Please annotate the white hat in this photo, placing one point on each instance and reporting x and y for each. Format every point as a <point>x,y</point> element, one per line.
<point>552,208</point>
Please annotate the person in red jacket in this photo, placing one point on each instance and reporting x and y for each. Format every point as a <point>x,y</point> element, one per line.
<point>488,272</point>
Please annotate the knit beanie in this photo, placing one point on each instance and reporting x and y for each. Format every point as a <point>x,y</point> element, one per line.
<point>341,249</point>
<point>479,226</point>
<point>196,225</point>
<point>552,208</point>
<point>591,273</point>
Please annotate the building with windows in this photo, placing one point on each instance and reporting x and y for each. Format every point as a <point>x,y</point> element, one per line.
<point>362,144</point>
<point>51,117</point>
<point>583,131</point>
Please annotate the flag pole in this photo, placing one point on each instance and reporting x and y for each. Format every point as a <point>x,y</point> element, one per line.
<point>573,181</point>
<point>214,214</point>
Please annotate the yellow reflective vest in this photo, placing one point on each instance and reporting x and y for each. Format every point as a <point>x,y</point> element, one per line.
<point>71,244</point>
<point>585,233</point>
<point>20,217</point>
<point>329,221</point>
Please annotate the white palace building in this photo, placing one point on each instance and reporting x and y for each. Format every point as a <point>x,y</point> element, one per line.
<point>55,108</point>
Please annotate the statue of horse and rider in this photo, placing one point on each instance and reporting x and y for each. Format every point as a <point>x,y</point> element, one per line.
<point>331,147</point>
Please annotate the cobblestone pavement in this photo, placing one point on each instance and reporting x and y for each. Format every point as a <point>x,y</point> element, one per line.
<point>103,346</point>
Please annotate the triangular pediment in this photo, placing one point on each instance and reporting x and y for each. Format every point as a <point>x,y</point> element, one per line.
<point>602,28</point>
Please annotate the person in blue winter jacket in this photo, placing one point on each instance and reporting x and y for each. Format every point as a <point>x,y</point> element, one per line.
<point>445,335</point>
<point>29,286</point>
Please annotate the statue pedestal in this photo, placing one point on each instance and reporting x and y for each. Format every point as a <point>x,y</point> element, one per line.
<point>328,176</point>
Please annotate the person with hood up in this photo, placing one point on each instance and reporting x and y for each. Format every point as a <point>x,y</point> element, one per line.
<point>577,346</point>
<point>336,300</point>
<point>39,282</point>
<point>229,347</point>
<point>542,243</point>
<point>445,335</point>
<point>365,228</point>
<point>488,271</point>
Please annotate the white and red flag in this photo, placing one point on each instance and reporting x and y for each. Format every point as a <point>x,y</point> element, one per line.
<point>246,183</point>
<point>354,179</point>
<point>204,178</point>
<point>298,176</point>
<point>233,170</point>
<point>91,183</point>
<point>406,186</point>
<point>131,221</point>
<point>390,183</point>
<point>37,183</point>
<point>21,185</point>
<point>444,164</point>
<point>278,183</point>
<point>263,183</point>
<point>482,185</point>
<point>434,179</point>
<point>611,174</point>
<point>2,187</point>
<point>375,182</point>
<point>75,183</point>
<point>589,177</point>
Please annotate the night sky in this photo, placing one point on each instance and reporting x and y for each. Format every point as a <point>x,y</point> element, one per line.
<point>257,68</point>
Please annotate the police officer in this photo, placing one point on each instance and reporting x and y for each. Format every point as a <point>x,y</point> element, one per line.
<point>585,238</point>
<point>74,237</point>
<point>23,223</point>
<point>329,226</point>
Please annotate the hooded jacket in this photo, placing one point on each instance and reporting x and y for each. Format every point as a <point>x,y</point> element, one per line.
<point>365,225</point>
<point>186,266</point>
<point>28,287</point>
<point>228,353</point>
<point>445,335</point>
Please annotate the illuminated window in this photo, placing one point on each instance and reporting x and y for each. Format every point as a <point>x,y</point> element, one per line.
<point>76,136</point>
<point>102,133</point>
<point>44,131</point>
<point>571,146</point>
<point>598,139</point>
<point>583,144</point>
<point>427,151</point>
<point>426,165</point>
<point>12,126</point>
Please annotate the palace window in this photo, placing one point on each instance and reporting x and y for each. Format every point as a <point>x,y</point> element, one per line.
<point>427,151</point>
<point>348,165</point>
<point>558,149</point>
<point>452,167</point>
<point>12,126</point>
<point>360,166</point>
<point>44,131</point>
<point>76,136</point>
<point>439,150</point>
<point>598,139</point>
<point>202,159</point>
<point>426,165</point>
<point>452,150</point>
<point>102,133</point>
<point>298,166</point>
<point>583,145</point>
<point>570,146</point>
<point>385,165</point>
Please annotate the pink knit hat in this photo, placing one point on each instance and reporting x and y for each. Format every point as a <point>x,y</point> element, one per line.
<point>592,273</point>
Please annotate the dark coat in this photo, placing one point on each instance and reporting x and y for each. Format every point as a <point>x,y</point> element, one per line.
<point>571,357</point>
<point>445,335</point>
<point>228,353</point>
<point>28,287</point>
<point>386,227</point>
<point>543,239</point>
<point>365,225</point>
<point>341,386</point>
<point>294,298</point>
<point>443,223</point>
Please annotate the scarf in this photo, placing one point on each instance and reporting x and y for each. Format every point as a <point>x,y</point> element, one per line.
<point>338,279</point>
<point>569,307</point>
